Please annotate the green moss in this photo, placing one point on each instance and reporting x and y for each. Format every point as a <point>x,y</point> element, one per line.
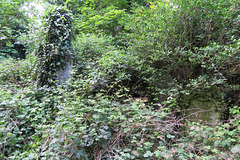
<point>203,106</point>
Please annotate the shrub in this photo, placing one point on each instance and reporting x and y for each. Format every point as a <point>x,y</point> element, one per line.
<point>17,72</point>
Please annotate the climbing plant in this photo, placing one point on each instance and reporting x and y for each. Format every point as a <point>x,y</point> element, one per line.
<point>55,51</point>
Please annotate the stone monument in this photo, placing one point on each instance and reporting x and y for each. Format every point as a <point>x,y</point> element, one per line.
<point>55,53</point>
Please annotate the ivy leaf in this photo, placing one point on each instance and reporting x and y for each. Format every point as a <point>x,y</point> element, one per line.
<point>148,154</point>
<point>170,136</point>
<point>215,151</point>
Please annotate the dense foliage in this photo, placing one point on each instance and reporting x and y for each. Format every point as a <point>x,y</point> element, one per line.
<point>55,51</point>
<point>139,67</point>
<point>12,23</point>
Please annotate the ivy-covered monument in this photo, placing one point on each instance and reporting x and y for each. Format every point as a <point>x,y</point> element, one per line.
<point>55,54</point>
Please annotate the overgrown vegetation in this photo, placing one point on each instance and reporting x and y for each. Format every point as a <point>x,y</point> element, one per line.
<point>13,23</point>
<point>138,69</point>
<point>55,51</point>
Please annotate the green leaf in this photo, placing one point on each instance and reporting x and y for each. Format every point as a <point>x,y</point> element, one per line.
<point>148,154</point>
<point>215,151</point>
<point>170,136</point>
<point>95,116</point>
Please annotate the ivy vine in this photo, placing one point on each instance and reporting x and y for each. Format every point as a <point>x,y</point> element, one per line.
<point>56,50</point>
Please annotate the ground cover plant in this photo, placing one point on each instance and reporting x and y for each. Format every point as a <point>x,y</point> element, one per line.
<point>141,73</point>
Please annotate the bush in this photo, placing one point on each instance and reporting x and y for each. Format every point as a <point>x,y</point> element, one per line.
<point>89,48</point>
<point>17,72</point>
